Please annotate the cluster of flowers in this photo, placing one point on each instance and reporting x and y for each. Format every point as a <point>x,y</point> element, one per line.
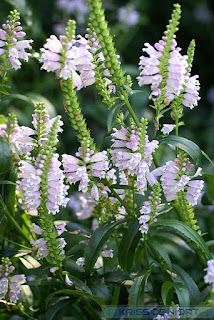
<point>41,180</point>
<point>19,138</point>
<point>71,59</point>
<point>175,177</point>
<point>10,285</point>
<point>10,44</point>
<point>127,156</point>
<point>88,164</point>
<point>178,76</point>
<point>30,180</point>
<point>31,171</point>
<point>40,245</point>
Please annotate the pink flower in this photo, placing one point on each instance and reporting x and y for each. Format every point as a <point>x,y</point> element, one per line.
<point>209,277</point>
<point>167,128</point>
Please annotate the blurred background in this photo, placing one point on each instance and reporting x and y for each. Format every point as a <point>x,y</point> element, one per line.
<point>132,23</point>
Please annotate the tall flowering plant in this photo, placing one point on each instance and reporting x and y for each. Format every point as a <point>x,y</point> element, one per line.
<point>138,201</point>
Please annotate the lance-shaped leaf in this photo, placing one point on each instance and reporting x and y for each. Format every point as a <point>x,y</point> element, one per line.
<point>128,245</point>
<point>96,243</point>
<point>4,158</point>
<point>187,232</point>
<point>181,292</point>
<point>182,276</point>
<point>186,145</point>
<point>136,293</point>
<point>160,251</point>
<point>78,294</point>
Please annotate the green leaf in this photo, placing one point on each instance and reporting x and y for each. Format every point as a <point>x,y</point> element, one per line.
<point>51,313</point>
<point>182,276</point>
<point>7,182</point>
<point>76,248</point>
<point>80,284</point>
<point>10,192</point>
<point>73,226</point>
<point>96,243</point>
<point>210,182</point>
<point>181,292</point>
<point>99,288</point>
<point>210,243</point>
<point>186,232</point>
<point>166,287</point>
<point>186,145</point>
<point>77,293</point>
<point>121,186</point>
<point>207,157</point>
<point>136,293</point>
<point>160,251</point>
<point>112,116</point>
<point>21,97</point>
<point>116,276</point>
<point>128,245</point>
<point>4,158</point>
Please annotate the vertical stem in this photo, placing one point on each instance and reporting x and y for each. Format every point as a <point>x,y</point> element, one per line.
<point>146,251</point>
<point>129,107</point>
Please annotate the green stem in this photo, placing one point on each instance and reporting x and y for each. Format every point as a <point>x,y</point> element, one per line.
<point>146,251</point>
<point>12,220</point>
<point>17,244</point>
<point>176,126</point>
<point>129,107</point>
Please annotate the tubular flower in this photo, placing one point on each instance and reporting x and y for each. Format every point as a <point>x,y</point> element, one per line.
<point>21,140</point>
<point>209,277</point>
<point>70,59</point>
<point>10,44</point>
